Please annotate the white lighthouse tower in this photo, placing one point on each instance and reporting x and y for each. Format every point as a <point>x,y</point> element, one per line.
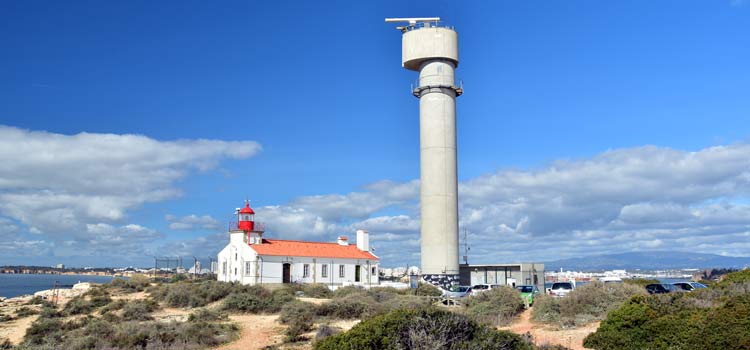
<point>432,50</point>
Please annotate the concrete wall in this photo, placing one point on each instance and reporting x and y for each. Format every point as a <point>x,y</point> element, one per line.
<point>504,274</point>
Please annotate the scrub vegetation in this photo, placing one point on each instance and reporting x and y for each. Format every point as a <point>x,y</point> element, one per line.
<point>714,318</point>
<point>588,303</point>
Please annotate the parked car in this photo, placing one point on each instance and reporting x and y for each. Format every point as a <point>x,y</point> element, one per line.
<point>458,292</point>
<point>528,293</point>
<point>606,280</point>
<point>689,286</point>
<point>478,288</point>
<point>560,289</point>
<point>661,288</point>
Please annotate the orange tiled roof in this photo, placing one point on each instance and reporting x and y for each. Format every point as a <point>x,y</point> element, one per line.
<point>311,249</point>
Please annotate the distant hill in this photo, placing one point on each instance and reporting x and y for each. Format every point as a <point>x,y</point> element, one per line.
<point>657,260</point>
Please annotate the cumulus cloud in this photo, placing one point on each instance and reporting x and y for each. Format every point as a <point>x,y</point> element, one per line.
<point>643,198</point>
<point>67,186</point>
<point>192,222</point>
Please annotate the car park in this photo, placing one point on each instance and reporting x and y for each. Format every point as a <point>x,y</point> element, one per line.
<point>561,289</point>
<point>689,286</point>
<point>661,288</point>
<point>528,293</point>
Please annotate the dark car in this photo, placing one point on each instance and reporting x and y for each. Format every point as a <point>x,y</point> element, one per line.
<point>661,288</point>
<point>689,286</point>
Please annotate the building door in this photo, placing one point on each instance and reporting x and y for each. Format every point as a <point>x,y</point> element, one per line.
<point>356,273</point>
<point>286,273</point>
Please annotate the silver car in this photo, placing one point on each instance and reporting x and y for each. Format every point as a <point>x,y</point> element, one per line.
<point>689,286</point>
<point>560,289</point>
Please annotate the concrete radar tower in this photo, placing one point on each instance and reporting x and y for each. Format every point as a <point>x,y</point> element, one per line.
<point>432,50</point>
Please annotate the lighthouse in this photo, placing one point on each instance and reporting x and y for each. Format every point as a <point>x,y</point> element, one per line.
<point>252,231</point>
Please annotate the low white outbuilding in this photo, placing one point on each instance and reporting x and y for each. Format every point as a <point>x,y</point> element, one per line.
<point>249,258</point>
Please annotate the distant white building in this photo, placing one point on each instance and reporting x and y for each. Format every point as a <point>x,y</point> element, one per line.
<point>249,258</point>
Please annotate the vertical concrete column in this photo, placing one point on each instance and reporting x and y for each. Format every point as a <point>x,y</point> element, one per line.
<point>433,52</point>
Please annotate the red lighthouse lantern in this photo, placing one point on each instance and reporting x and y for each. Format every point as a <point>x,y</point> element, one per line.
<point>246,218</point>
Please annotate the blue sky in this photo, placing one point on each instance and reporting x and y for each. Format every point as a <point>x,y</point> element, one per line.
<point>584,125</point>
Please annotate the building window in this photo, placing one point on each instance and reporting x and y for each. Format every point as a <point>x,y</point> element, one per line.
<point>306,271</point>
<point>235,271</point>
<point>224,268</point>
<point>374,271</point>
<point>324,271</point>
<point>248,266</point>
<point>341,271</point>
<point>235,256</point>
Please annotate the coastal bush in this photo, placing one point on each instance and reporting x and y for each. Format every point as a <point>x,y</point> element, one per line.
<point>742,276</point>
<point>316,290</point>
<point>194,294</point>
<point>114,306</point>
<point>6,318</point>
<point>25,311</point>
<point>297,310</point>
<point>6,344</point>
<point>257,299</point>
<point>207,315</point>
<point>345,291</point>
<point>496,307</point>
<point>676,322</point>
<point>427,290</point>
<point>37,300</point>
<point>641,282</point>
<point>136,283</point>
<point>422,329</point>
<point>85,304</point>
<point>585,304</point>
<point>352,306</point>
<point>299,316</point>
<point>98,334</point>
<point>139,310</point>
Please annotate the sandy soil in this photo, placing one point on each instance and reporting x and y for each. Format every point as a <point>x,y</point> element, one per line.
<point>571,338</point>
<point>168,314</point>
<point>16,329</point>
<point>256,331</point>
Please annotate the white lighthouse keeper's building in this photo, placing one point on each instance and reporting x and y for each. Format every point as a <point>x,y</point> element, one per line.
<point>251,259</point>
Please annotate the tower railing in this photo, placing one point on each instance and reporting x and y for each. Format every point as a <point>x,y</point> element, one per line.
<point>258,226</point>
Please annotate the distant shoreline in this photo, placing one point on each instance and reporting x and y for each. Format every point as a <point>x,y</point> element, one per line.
<point>14,285</point>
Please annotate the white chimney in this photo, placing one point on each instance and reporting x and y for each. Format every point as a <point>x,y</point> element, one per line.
<point>363,240</point>
<point>343,240</point>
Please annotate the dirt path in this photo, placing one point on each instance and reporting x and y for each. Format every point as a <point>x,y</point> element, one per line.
<point>571,338</point>
<point>16,329</point>
<point>256,331</point>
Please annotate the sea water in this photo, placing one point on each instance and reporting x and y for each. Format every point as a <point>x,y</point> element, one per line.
<point>13,285</point>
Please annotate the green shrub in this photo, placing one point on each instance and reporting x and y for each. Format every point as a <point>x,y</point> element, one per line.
<point>207,315</point>
<point>352,306</point>
<point>325,331</point>
<point>37,300</point>
<point>585,304</point>
<point>6,344</point>
<point>136,283</point>
<point>114,306</point>
<point>257,299</point>
<point>178,277</point>
<point>194,294</point>
<point>729,279</point>
<point>44,330</point>
<point>673,322</point>
<point>641,282</point>
<point>77,306</point>
<point>546,309</point>
<point>6,318</point>
<point>26,311</point>
<point>299,316</point>
<point>297,310</point>
<point>497,306</point>
<point>348,290</point>
<point>427,290</point>
<point>139,310</point>
<point>316,290</point>
<point>421,329</point>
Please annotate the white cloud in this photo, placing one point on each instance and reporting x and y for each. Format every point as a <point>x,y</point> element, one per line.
<point>192,222</point>
<point>626,199</point>
<point>67,186</point>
